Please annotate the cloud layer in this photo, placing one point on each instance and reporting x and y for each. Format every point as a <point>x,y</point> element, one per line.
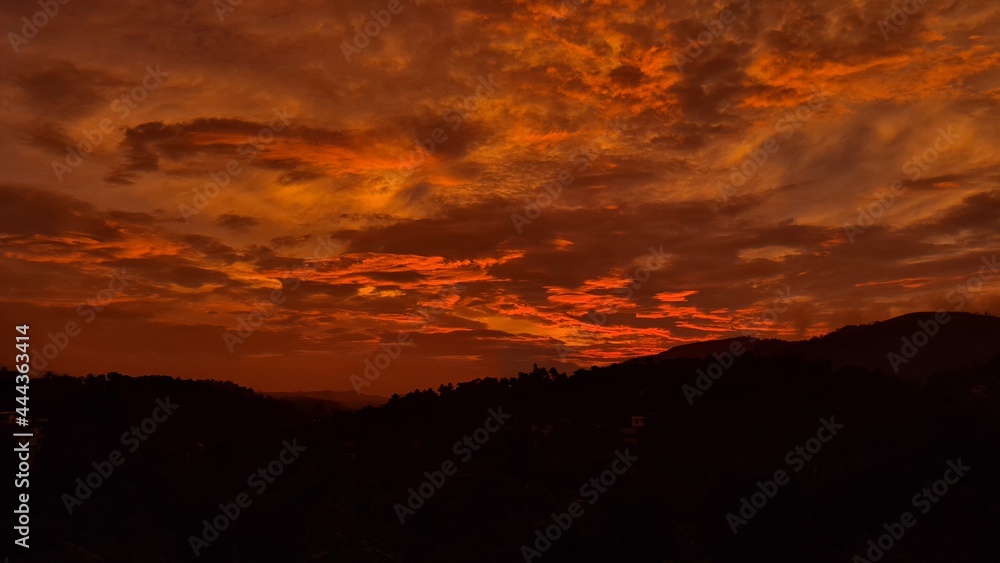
<point>509,166</point>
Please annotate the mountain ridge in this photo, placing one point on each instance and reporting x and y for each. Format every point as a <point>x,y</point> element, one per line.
<point>349,400</point>
<point>910,345</point>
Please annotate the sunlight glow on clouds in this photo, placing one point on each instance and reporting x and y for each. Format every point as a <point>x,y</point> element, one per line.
<point>404,235</point>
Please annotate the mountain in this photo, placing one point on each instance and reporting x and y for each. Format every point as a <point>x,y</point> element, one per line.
<point>343,400</point>
<point>777,457</point>
<point>913,345</point>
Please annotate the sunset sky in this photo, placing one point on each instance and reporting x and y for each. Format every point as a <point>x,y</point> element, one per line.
<point>742,148</point>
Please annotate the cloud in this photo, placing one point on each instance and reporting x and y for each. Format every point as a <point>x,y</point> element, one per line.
<point>236,222</point>
<point>406,216</point>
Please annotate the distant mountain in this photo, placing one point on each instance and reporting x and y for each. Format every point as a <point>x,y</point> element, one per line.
<point>902,345</point>
<point>344,400</point>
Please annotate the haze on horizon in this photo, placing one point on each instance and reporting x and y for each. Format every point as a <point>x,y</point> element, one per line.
<point>742,156</point>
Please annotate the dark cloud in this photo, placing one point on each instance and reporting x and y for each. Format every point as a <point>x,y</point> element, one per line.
<point>237,222</point>
<point>64,90</point>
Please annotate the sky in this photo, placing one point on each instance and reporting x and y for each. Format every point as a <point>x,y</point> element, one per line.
<point>289,194</point>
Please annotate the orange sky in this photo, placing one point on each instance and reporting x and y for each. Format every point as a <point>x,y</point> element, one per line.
<point>223,162</point>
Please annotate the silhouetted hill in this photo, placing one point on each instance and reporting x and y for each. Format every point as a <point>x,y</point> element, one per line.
<point>703,445</point>
<point>348,400</point>
<point>966,339</point>
<point>704,349</point>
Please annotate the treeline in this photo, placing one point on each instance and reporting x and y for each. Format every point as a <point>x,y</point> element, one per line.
<point>695,463</point>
